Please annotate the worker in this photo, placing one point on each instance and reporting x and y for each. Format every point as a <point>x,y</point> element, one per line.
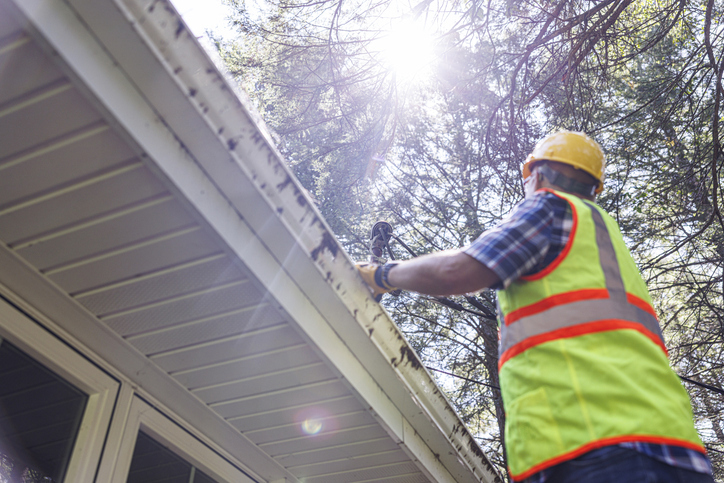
<point>588,392</point>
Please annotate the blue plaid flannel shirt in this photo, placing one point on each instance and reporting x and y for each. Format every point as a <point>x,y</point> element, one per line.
<point>527,241</point>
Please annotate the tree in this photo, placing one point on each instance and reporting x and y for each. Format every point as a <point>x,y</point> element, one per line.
<point>440,158</point>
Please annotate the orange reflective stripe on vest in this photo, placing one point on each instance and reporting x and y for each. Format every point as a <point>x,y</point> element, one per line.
<point>569,320</point>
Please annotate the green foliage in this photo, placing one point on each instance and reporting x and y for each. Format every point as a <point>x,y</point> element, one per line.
<point>439,158</point>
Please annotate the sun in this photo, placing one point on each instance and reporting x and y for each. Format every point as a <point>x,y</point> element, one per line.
<point>408,50</point>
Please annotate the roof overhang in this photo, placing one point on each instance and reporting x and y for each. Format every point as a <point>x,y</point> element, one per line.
<point>160,92</point>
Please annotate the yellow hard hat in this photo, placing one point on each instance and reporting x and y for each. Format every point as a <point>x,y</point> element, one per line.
<point>572,148</point>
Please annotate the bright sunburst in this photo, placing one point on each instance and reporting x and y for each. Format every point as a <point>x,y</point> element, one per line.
<point>408,49</point>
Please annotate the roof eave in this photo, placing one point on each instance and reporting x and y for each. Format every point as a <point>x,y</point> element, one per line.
<point>264,215</point>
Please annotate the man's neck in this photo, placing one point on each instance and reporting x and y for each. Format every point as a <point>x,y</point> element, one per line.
<point>546,184</point>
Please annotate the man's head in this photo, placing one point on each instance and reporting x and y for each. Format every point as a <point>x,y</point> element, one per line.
<point>566,160</point>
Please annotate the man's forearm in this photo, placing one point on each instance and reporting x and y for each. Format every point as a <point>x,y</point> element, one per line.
<point>451,272</point>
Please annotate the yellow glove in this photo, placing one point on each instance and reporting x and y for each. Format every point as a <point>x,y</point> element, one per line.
<point>375,276</point>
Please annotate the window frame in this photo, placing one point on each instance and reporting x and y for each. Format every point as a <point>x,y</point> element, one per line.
<point>27,334</point>
<point>142,416</point>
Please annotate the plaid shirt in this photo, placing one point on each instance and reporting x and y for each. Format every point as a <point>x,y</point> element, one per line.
<point>526,242</point>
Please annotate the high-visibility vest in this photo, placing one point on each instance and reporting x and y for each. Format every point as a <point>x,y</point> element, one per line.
<point>582,359</point>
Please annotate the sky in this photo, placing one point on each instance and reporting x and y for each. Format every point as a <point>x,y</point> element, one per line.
<point>201,15</point>
<point>404,46</point>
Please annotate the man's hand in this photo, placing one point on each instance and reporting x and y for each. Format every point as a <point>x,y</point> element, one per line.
<point>376,278</point>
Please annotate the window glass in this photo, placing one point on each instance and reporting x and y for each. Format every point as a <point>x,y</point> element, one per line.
<point>40,414</point>
<point>153,463</point>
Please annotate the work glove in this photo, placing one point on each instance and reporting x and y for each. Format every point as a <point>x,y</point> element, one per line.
<point>375,275</point>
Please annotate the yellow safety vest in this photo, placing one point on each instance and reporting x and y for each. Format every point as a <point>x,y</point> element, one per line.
<point>582,359</point>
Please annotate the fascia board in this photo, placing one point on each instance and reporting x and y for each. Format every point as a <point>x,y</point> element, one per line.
<point>239,183</point>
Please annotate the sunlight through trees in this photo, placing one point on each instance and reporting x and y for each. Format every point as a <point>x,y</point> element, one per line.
<point>440,158</point>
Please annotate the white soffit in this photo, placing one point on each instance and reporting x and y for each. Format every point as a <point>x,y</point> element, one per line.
<point>190,240</point>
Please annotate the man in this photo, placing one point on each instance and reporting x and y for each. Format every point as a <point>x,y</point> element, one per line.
<point>588,392</point>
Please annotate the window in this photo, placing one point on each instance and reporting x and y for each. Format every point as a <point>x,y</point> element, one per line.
<point>156,449</point>
<point>40,415</point>
<point>55,405</point>
<point>152,463</point>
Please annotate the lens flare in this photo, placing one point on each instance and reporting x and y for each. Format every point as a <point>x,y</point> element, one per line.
<point>312,426</point>
<point>315,421</point>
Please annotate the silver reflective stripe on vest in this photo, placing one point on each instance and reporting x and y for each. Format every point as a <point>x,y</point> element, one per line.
<point>584,311</point>
<point>607,257</point>
<point>572,314</point>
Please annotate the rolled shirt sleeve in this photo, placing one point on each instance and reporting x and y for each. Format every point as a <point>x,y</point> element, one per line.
<point>527,240</point>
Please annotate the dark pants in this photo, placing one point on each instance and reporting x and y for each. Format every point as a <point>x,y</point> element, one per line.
<point>614,464</point>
